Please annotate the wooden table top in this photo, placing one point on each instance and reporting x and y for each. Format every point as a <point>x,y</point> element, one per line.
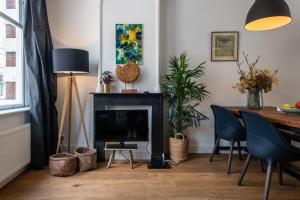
<point>272,115</point>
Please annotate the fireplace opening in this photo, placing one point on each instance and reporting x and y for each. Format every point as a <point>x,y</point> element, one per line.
<point>121,126</point>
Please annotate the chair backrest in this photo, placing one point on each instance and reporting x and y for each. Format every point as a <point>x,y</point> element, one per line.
<point>263,138</point>
<point>227,126</point>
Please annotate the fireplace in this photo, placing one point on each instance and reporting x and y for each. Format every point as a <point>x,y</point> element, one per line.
<point>126,125</point>
<point>154,101</point>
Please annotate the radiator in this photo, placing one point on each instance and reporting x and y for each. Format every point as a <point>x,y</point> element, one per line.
<point>14,152</point>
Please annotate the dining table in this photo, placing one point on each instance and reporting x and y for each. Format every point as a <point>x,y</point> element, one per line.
<point>288,124</point>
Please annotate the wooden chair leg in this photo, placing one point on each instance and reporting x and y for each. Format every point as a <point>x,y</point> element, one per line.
<point>131,159</point>
<point>230,157</point>
<point>245,168</point>
<point>239,150</point>
<point>268,181</point>
<point>279,172</point>
<point>214,150</point>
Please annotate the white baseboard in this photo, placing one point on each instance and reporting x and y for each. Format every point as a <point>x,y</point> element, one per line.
<point>200,148</point>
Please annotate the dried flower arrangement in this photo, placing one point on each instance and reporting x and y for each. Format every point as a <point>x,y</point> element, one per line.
<point>254,79</point>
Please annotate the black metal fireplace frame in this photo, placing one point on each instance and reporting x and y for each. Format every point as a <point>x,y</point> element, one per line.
<point>155,100</point>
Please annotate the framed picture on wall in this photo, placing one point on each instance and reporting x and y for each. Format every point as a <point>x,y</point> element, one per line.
<point>224,46</point>
<point>129,43</point>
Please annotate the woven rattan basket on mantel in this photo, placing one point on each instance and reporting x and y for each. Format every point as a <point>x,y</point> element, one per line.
<point>179,148</point>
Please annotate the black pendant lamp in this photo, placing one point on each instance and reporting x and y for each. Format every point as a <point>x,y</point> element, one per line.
<point>267,15</point>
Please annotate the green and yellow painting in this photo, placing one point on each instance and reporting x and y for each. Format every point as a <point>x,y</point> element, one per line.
<point>129,43</point>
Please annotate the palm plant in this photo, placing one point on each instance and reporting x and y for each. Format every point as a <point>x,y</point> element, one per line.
<point>184,93</point>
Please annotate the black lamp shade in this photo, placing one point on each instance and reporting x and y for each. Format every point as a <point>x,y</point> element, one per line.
<point>70,61</point>
<point>267,15</point>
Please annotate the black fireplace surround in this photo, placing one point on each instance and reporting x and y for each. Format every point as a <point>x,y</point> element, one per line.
<point>155,100</point>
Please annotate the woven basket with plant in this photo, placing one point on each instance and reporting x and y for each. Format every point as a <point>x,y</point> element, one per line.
<point>184,94</point>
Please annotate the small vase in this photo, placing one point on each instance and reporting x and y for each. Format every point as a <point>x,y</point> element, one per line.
<point>106,88</point>
<point>255,100</point>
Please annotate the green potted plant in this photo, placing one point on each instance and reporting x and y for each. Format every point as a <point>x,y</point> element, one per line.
<point>184,94</point>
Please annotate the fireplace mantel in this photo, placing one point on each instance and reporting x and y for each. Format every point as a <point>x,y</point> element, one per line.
<point>155,100</point>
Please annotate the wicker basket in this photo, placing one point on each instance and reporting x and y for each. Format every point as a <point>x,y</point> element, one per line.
<point>62,164</point>
<point>179,148</point>
<point>87,158</point>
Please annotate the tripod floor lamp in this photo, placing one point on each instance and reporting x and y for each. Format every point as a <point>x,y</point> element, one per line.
<point>70,61</point>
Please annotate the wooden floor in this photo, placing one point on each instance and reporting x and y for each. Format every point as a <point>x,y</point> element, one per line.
<point>195,179</point>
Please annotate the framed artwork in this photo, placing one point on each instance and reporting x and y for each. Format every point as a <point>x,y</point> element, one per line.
<point>224,46</point>
<point>129,43</point>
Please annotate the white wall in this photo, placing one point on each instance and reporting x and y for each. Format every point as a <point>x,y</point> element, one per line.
<point>186,25</point>
<point>75,24</point>
<point>130,11</point>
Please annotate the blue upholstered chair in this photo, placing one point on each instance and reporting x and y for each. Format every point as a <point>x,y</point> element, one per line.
<point>227,127</point>
<point>266,143</point>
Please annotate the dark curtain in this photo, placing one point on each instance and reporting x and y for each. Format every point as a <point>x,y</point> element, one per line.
<point>40,82</point>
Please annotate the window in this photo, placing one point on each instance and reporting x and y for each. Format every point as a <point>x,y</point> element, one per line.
<point>10,31</point>
<point>10,59</point>
<point>10,4</point>
<point>1,86</point>
<point>10,90</point>
<point>11,55</point>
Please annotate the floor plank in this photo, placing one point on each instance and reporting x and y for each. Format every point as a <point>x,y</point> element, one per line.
<point>194,179</point>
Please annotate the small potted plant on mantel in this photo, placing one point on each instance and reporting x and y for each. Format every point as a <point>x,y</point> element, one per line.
<point>106,79</point>
<point>184,94</point>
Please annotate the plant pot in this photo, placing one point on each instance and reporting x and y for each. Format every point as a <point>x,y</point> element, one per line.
<point>106,88</point>
<point>255,100</point>
<point>179,148</point>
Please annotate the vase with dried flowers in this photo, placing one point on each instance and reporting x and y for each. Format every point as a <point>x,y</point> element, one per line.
<point>255,81</point>
<point>106,79</point>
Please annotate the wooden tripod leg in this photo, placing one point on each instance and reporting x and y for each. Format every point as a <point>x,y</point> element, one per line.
<point>62,120</point>
<point>70,117</point>
<point>80,110</point>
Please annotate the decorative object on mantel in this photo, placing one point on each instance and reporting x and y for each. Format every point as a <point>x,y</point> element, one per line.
<point>254,81</point>
<point>267,15</point>
<point>128,73</point>
<point>184,94</point>
<point>106,79</point>
<point>70,61</point>
<point>129,43</point>
<point>224,46</point>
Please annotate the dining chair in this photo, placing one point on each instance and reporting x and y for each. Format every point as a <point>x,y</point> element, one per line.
<point>229,128</point>
<point>265,142</point>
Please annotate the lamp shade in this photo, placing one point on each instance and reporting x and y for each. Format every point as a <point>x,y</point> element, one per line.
<point>70,61</point>
<point>267,15</point>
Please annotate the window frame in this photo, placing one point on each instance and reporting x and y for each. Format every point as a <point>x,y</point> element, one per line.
<point>20,26</point>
